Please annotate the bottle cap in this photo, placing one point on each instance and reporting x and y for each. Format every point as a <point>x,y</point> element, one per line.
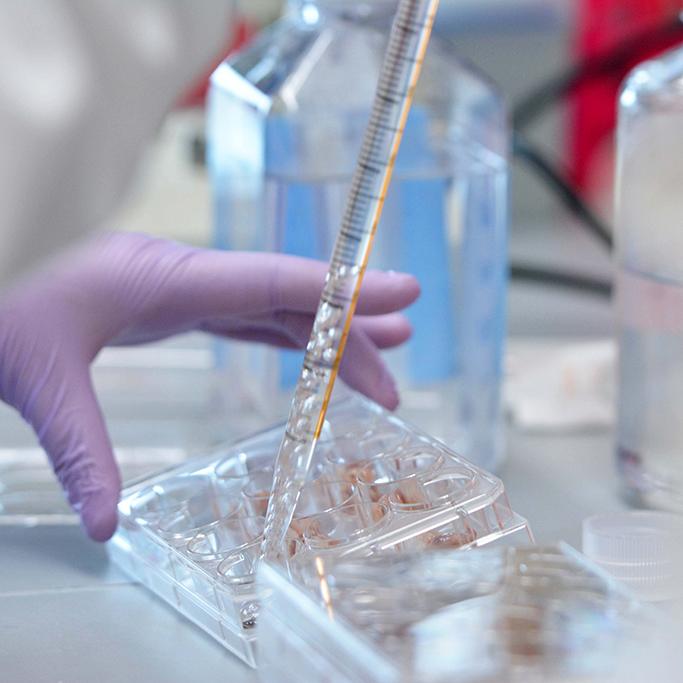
<point>642,549</point>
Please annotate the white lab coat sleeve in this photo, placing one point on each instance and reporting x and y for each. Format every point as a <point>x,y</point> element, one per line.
<point>83,86</point>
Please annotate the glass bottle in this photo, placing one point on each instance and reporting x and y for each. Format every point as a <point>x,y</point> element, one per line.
<point>649,286</point>
<point>286,117</point>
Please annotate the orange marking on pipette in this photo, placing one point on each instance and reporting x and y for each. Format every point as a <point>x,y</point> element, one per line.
<point>415,75</point>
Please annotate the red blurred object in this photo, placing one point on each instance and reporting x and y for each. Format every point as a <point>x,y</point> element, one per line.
<point>601,26</point>
<point>196,95</point>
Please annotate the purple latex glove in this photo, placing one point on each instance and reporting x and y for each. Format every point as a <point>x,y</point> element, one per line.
<point>130,289</point>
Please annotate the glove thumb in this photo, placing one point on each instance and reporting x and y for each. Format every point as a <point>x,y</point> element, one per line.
<point>64,412</point>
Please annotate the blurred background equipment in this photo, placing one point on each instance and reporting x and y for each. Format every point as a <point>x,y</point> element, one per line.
<point>649,283</point>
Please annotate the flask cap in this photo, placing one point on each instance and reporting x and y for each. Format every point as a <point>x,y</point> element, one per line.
<point>643,549</point>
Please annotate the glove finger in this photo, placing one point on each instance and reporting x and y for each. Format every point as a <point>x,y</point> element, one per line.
<point>147,288</point>
<point>292,330</point>
<point>297,285</point>
<point>363,369</point>
<point>217,283</point>
<point>258,336</point>
<point>385,331</point>
<point>65,415</point>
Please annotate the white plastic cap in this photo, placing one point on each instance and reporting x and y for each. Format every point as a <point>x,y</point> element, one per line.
<point>642,549</point>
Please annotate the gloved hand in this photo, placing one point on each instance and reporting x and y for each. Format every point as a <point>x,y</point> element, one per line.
<point>130,289</point>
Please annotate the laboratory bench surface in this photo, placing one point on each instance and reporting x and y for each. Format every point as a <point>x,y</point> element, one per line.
<point>68,615</point>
